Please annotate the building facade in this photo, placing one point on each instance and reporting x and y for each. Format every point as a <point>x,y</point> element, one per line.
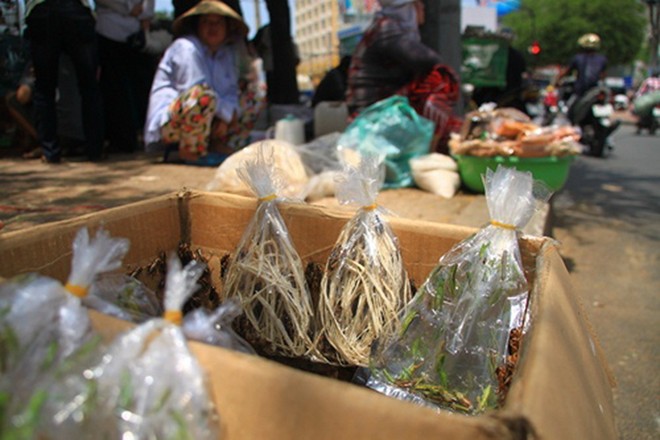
<point>328,29</point>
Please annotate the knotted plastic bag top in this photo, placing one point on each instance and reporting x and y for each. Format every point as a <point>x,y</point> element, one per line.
<point>94,279</point>
<point>513,197</point>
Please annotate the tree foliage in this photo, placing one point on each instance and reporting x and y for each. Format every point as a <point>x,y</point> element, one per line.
<point>557,25</point>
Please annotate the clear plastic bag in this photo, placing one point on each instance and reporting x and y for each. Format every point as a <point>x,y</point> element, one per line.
<point>123,297</point>
<point>454,333</point>
<point>392,129</point>
<point>266,274</point>
<point>214,327</point>
<point>44,332</point>
<point>320,154</point>
<point>32,306</point>
<point>146,384</point>
<point>364,285</point>
<point>114,294</point>
<point>282,154</point>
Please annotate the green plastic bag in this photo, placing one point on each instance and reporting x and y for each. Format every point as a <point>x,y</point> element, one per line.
<point>644,104</point>
<point>394,131</point>
<point>484,61</point>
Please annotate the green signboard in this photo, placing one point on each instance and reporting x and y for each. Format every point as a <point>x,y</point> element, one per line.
<point>484,61</point>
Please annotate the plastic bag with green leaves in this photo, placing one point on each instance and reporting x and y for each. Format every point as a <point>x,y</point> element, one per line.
<point>454,333</point>
<point>266,274</point>
<point>146,384</point>
<point>365,284</point>
<point>32,306</point>
<point>109,292</point>
<point>45,331</point>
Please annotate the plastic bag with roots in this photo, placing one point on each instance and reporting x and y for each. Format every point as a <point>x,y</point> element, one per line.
<point>266,275</point>
<point>364,285</point>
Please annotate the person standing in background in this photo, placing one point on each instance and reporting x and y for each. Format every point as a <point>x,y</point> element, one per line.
<point>181,6</point>
<point>55,27</point>
<point>20,105</point>
<point>392,60</point>
<point>276,78</point>
<point>125,70</point>
<point>333,85</point>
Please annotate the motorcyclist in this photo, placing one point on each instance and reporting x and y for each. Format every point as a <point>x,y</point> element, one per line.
<point>646,98</point>
<point>590,67</point>
<point>588,64</point>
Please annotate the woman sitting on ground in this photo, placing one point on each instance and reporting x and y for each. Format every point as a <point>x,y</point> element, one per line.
<point>199,96</point>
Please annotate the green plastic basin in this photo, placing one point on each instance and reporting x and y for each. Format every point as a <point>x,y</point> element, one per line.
<point>552,170</point>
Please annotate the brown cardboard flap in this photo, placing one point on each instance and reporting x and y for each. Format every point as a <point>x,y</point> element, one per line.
<point>218,222</point>
<point>152,226</point>
<point>260,399</point>
<point>560,389</point>
<point>562,384</point>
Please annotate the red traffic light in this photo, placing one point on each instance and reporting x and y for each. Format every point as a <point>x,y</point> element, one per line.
<point>535,48</point>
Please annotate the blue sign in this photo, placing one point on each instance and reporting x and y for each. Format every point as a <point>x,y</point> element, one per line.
<point>506,6</point>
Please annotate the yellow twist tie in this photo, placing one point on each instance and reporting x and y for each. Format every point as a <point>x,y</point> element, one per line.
<point>370,207</point>
<point>502,225</point>
<point>268,198</point>
<point>173,316</point>
<point>76,290</point>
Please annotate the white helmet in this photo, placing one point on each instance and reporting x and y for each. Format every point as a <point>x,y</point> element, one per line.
<point>589,41</point>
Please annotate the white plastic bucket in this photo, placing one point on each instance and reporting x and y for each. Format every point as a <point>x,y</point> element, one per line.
<point>290,129</point>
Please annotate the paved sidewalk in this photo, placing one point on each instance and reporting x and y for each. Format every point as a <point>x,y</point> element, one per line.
<point>34,193</point>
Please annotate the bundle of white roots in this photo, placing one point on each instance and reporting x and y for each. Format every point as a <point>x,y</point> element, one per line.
<point>268,278</point>
<point>363,290</point>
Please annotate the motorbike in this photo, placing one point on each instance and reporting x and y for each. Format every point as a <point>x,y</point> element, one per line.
<point>647,109</point>
<point>592,113</point>
<point>651,122</point>
<point>552,106</point>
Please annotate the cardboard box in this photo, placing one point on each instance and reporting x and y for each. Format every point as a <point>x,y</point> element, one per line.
<point>561,389</point>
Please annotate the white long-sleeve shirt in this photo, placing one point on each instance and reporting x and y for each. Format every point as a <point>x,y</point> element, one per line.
<point>114,20</point>
<point>188,62</point>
